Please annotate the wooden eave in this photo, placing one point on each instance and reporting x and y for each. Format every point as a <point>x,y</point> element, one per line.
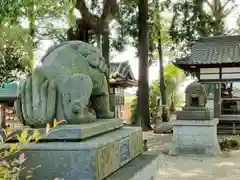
<point>195,67</point>
<point>123,83</point>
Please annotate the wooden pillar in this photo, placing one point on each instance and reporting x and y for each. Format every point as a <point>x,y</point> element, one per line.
<point>121,102</point>
<point>2,116</point>
<point>217,100</point>
<point>112,99</point>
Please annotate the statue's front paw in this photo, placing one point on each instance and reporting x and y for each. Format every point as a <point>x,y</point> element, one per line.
<point>80,114</point>
<point>106,115</point>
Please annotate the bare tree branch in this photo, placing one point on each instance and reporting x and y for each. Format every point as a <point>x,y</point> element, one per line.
<point>110,9</point>
<point>212,7</point>
<point>92,20</point>
<point>225,4</point>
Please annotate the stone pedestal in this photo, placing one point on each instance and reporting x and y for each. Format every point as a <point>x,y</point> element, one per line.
<point>103,150</point>
<point>195,137</point>
<point>78,153</point>
<point>195,113</point>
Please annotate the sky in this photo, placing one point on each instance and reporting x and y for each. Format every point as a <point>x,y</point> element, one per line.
<point>130,52</point>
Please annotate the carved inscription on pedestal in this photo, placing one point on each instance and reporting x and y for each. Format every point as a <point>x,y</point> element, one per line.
<point>124,149</point>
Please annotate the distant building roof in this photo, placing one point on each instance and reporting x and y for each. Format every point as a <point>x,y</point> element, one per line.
<point>213,50</point>
<point>8,92</point>
<point>121,74</point>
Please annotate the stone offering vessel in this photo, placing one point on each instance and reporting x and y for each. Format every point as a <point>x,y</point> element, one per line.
<point>72,74</point>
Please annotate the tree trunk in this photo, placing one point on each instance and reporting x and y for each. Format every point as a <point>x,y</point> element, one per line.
<point>105,54</point>
<point>161,68</point>
<point>99,41</point>
<point>143,90</point>
<point>81,32</point>
<point>105,46</point>
<point>162,83</point>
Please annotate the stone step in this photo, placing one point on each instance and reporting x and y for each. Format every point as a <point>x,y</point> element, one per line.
<point>228,132</point>
<point>227,127</point>
<point>229,122</point>
<point>144,167</point>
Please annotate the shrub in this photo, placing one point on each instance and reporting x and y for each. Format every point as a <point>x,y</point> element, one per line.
<point>10,169</point>
<point>229,143</point>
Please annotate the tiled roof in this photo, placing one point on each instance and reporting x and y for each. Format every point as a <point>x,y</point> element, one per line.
<point>8,93</point>
<point>121,70</point>
<point>214,50</point>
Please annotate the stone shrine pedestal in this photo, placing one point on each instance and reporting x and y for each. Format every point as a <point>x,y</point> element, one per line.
<point>195,130</point>
<point>102,150</point>
<point>195,137</point>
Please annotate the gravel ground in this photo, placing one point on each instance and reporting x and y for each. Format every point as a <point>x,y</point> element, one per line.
<point>193,167</point>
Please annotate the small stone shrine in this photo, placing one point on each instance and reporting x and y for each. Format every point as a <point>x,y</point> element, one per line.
<point>90,144</point>
<point>195,130</point>
<point>195,106</point>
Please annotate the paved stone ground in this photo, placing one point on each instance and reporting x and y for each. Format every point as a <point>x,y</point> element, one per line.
<point>192,167</point>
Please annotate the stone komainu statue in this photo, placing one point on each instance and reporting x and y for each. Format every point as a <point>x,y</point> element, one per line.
<point>195,95</point>
<point>72,74</point>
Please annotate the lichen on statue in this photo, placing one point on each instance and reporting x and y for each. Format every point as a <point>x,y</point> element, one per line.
<point>72,74</point>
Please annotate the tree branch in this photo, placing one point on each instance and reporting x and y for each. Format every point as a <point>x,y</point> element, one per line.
<point>212,7</point>
<point>225,4</point>
<point>110,9</point>
<point>92,20</point>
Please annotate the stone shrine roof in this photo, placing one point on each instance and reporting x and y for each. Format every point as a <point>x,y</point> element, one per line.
<point>213,51</point>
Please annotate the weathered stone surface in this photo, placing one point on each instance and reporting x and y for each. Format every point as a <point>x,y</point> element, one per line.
<point>195,137</point>
<point>195,95</point>
<point>143,167</point>
<point>72,74</point>
<point>92,159</point>
<point>201,114</point>
<point>77,132</point>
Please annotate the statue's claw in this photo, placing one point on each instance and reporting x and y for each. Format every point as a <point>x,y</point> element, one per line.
<point>106,115</point>
<point>37,99</point>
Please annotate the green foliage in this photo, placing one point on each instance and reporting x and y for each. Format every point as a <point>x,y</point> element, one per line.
<point>193,19</point>
<point>21,24</point>
<point>134,110</point>
<point>228,143</point>
<point>173,78</point>
<point>12,64</point>
<point>15,49</point>
<point>10,168</point>
<point>238,25</point>
<point>127,30</point>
